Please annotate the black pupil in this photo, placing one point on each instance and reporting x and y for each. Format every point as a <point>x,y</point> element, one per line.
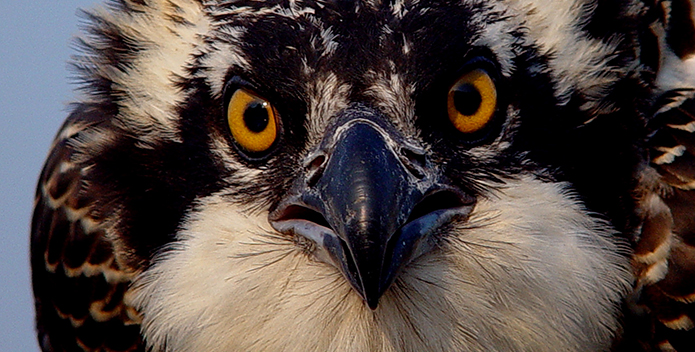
<point>256,117</point>
<point>467,99</point>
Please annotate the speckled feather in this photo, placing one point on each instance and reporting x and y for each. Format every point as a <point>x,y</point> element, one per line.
<point>78,281</point>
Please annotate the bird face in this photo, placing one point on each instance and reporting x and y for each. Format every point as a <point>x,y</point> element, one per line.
<point>388,177</point>
<point>366,176</point>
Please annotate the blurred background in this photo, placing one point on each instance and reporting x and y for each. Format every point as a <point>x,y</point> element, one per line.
<point>35,88</point>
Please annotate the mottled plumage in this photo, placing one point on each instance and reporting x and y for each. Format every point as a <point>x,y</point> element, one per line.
<point>316,176</point>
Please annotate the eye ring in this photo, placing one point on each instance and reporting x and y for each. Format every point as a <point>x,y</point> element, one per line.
<point>252,121</point>
<point>472,101</point>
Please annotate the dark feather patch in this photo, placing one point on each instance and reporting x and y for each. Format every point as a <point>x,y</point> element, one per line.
<point>681,28</point>
<point>673,144</point>
<point>678,283</point>
<point>78,307</point>
<point>681,204</point>
<point>673,156</point>
<point>656,230</point>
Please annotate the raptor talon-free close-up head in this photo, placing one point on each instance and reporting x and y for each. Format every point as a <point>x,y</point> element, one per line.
<point>432,175</point>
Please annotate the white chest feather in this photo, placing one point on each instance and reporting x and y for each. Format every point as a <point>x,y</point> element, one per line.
<point>529,271</point>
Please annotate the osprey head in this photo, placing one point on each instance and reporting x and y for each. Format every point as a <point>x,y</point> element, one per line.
<point>428,175</point>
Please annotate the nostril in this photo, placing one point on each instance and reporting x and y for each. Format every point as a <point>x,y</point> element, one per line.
<point>317,162</point>
<point>315,169</point>
<point>439,200</point>
<point>414,161</point>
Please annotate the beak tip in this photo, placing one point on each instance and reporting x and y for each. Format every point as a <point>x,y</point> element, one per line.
<point>372,294</point>
<point>372,302</point>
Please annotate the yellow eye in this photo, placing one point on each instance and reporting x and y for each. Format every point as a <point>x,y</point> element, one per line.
<point>252,121</point>
<point>472,101</point>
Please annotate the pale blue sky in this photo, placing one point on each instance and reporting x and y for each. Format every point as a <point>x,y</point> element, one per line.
<point>35,44</point>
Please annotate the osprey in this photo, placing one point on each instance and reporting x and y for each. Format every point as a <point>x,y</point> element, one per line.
<point>399,175</point>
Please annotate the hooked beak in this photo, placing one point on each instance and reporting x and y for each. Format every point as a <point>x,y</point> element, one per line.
<point>369,201</point>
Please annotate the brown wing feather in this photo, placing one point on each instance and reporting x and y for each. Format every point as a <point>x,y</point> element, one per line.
<point>79,286</point>
<point>665,252</point>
